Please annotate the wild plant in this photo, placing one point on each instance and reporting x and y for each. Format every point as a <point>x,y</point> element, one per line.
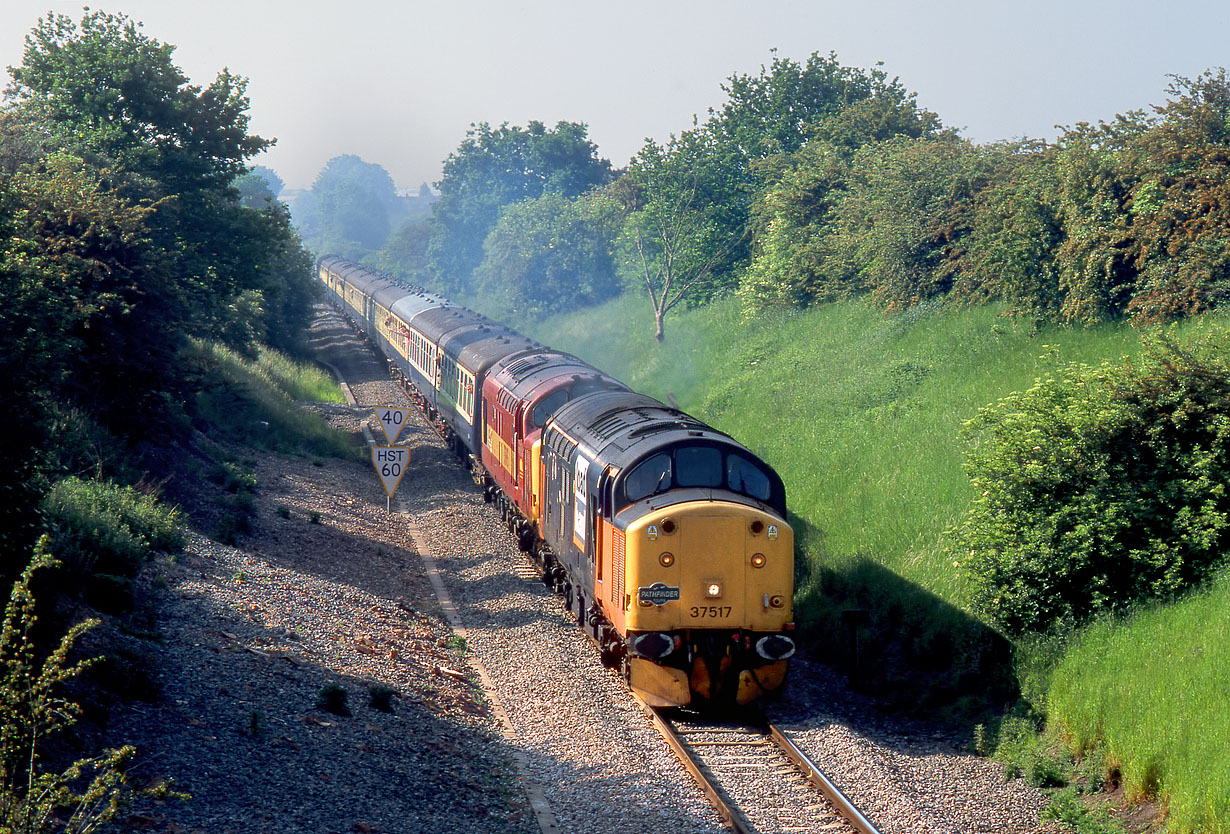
<point>34,798</point>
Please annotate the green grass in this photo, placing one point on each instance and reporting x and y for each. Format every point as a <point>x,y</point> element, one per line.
<point>859,412</point>
<point>1152,696</point>
<point>103,527</point>
<point>300,381</point>
<point>256,403</point>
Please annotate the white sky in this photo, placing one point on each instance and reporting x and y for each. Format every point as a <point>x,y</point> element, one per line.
<point>398,83</point>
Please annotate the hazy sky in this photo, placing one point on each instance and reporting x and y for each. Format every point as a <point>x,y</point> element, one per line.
<point>398,83</point>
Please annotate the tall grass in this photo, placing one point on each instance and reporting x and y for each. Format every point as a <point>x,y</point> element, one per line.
<point>255,403</point>
<point>1153,695</point>
<point>105,527</point>
<point>300,381</point>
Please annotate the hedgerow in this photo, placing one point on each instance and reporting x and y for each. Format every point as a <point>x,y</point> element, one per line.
<point>1099,487</point>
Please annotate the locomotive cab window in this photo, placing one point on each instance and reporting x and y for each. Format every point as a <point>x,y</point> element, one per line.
<point>706,467</point>
<point>650,476</point>
<point>698,466</point>
<point>747,478</point>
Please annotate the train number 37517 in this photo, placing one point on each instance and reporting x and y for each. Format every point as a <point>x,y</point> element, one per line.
<point>703,611</point>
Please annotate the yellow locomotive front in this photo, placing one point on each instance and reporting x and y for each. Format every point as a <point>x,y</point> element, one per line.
<point>669,542</point>
<point>708,602</point>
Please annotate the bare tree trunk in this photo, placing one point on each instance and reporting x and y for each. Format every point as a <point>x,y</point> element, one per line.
<point>660,335</point>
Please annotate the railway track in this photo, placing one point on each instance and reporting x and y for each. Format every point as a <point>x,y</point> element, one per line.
<point>757,778</point>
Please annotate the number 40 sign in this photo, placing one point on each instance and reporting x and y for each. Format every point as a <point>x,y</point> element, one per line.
<point>391,421</point>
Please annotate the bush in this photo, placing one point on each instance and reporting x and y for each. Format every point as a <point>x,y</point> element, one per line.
<point>1025,755</point>
<point>98,526</point>
<point>381,697</point>
<point>1100,487</point>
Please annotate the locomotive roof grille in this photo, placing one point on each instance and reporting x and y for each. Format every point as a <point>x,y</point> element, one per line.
<point>526,363</point>
<point>669,425</point>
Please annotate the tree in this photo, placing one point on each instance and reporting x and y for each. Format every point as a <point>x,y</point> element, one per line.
<point>901,226</point>
<point>404,254</point>
<point>81,266</point>
<point>1018,226</point>
<point>254,191</point>
<point>676,241</point>
<point>356,201</point>
<point>551,255</point>
<point>259,188</point>
<point>1100,488</point>
<point>777,111</point>
<point>134,217</point>
<point>794,221</point>
<point>1181,208</point>
<point>494,168</point>
<point>110,88</point>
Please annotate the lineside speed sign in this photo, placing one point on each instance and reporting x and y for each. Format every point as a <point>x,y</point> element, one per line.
<point>390,463</point>
<point>391,421</point>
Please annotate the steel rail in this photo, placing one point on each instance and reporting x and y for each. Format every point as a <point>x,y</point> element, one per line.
<point>826,786</point>
<point>731,815</point>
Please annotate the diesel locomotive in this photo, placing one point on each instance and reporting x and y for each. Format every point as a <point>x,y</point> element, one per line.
<point>666,538</point>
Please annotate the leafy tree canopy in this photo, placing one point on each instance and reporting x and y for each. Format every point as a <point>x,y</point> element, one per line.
<point>776,111</point>
<point>356,203</point>
<point>551,255</point>
<point>125,232</point>
<point>494,168</point>
<point>107,87</point>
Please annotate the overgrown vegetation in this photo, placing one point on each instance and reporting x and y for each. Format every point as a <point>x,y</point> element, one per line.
<point>1100,488</point>
<point>97,527</point>
<point>123,240</point>
<point>34,796</point>
<point>151,285</point>
<point>254,402</point>
<point>1148,697</point>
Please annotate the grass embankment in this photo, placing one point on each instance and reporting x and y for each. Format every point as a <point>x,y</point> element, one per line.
<point>254,402</point>
<point>862,415</point>
<point>1151,696</point>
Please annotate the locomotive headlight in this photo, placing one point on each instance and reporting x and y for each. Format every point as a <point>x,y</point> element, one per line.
<point>666,560</point>
<point>758,560</point>
<point>713,590</point>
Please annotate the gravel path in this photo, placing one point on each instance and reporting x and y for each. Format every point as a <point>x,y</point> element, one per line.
<point>329,590</point>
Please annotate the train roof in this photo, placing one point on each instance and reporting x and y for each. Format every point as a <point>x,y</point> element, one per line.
<point>528,371</point>
<point>382,287</point>
<point>614,424</point>
<point>436,323</point>
<point>478,347</point>
<point>413,303</point>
